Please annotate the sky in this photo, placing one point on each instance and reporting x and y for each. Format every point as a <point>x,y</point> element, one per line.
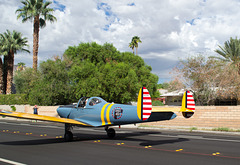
<point>170,30</point>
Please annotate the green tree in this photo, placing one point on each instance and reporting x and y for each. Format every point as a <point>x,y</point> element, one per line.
<point>134,43</point>
<point>103,71</point>
<point>39,12</point>
<point>11,43</point>
<point>25,80</point>
<point>53,86</point>
<point>230,52</point>
<point>164,85</point>
<point>89,70</point>
<point>48,86</point>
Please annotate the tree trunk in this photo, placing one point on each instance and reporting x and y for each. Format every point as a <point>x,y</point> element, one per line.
<point>1,76</point>
<point>5,68</point>
<point>10,65</point>
<point>136,51</point>
<point>35,41</point>
<point>238,66</point>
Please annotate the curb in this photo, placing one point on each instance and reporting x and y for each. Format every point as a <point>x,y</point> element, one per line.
<point>195,131</point>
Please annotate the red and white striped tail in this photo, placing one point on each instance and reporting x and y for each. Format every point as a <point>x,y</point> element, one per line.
<point>190,103</point>
<point>144,106</point>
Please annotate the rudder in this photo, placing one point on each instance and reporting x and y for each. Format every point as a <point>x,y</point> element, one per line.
<point>144,105</point>
<point>188,105</point>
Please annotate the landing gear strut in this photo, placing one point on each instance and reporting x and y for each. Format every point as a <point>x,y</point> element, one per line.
<point>68,136</point>
<point>110,132</point>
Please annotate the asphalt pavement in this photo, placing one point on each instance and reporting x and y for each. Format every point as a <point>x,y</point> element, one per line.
<point>24,142</point>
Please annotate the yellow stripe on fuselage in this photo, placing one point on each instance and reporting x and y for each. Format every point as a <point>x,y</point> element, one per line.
<point>108,114</point>
<point>102,113</point>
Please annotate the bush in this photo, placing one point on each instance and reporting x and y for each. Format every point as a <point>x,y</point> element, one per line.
<point>13,99</point>
<point>157,103</point>
<point>221,129</point>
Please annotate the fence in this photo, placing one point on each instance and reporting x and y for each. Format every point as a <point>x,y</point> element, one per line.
<point>207,117</point>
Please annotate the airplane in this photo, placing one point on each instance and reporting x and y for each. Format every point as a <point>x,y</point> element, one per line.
<point>96,112</point>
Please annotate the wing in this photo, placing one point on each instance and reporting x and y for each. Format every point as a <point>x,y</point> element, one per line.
<point>41,117</point>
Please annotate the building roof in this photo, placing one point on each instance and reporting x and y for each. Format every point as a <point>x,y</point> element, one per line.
<point>162,91</point>
<point>174,93</point>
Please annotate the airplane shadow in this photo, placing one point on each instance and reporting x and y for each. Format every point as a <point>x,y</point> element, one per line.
<point>137,137</point>
<point>81,137</point>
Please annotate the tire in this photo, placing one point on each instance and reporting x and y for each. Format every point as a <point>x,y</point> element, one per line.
<point>68,136</point>
<point>111,133</point>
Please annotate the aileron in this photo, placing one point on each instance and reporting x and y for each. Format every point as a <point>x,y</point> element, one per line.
<point>40,117</point>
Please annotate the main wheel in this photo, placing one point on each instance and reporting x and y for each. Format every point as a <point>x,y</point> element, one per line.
<point>111,133</point>
<point>68,136</point>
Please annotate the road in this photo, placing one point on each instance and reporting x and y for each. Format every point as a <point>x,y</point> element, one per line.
<point>24,142</point>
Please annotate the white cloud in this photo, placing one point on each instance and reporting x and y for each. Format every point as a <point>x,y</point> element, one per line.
<point>169,29</point>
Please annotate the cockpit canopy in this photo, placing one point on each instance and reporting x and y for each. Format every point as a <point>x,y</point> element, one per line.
<point>82,102</point>
<point>94,101</point>
<point>89,101</point>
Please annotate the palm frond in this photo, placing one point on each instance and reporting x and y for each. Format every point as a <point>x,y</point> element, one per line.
<point>230,51</point>
<point>34,8</point>
<point>42,23</point>
<point>12,41</point>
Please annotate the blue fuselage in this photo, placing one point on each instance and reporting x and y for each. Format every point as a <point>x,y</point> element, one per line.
<point>101,114</point>
<point>106,114</point>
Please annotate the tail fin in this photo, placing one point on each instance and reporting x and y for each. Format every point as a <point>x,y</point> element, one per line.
<point>144,105</point>
<point>188,105</point>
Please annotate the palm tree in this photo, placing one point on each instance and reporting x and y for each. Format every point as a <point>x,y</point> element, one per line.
<point>21,66</point>
<point>11,43</point>
<point>230,52</point>
<point>39,12</point>
<point>131,45</point>
<point>1,76</point>
<point>134,43</point>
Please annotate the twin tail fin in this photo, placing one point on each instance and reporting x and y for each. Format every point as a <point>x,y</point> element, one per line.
<point>188,105</point>
<point>144,105</point>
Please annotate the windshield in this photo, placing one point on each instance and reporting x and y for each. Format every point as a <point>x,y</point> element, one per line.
<point>82,102</point>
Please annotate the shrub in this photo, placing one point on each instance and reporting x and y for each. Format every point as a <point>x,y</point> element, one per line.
<point>221,129</point>
<point>13,99</point>
<point>157,103</point>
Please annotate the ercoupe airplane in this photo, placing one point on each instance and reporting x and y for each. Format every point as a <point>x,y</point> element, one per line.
<point>96,112</point>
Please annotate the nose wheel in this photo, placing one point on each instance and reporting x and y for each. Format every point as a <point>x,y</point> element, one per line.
<point>110,132</point>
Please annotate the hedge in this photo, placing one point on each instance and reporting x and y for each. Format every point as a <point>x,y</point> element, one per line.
<point>13,99</point>
<point>157,103</point>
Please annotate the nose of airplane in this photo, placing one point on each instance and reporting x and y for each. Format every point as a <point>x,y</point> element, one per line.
<point>63,112</point>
